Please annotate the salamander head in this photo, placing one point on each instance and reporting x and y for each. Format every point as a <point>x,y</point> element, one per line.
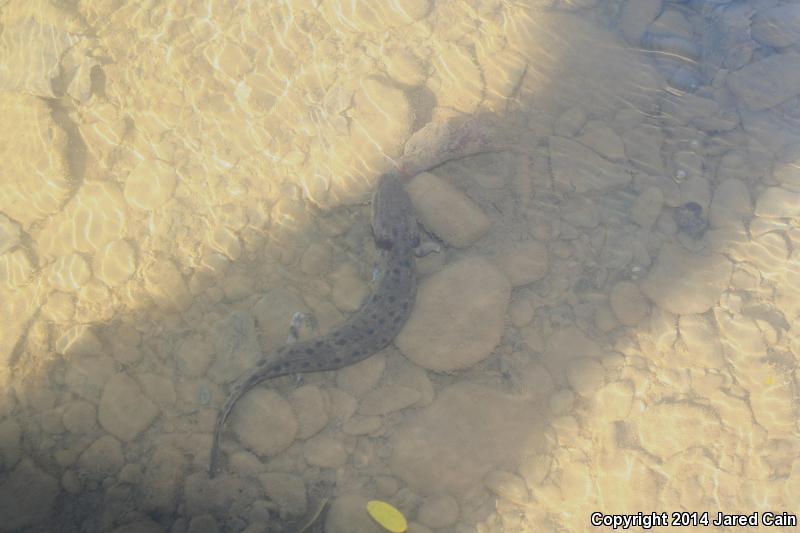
<point>393,220</point>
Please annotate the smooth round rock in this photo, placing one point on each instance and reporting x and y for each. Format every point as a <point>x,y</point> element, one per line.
<point>647,207</point>
<point>786,168</point>
<point>102,459</point>
<point>311,405</point>
<point>10,443</point>
<point>86,375</point>
<point>79,417</point>
<point>388,399</point>
<point>163,480</point>
<point>689,425</point>
<point>349,290</point>
<point>316,259</point>
<point>628,303</point>
<point>423,451</point>
<point>286,490</point>
<point>205,523</point>
<point>165,284</point>
<point>124,410</point>
<point>78,341</point>
<point>69,273</point>
<point>521,312</point>
<point>778,26</point>
<point>446,211</point>
<point>348,514</point>
<point>150,185</point>
<point>523,262</point>
<point>776,202</point>
<point>259,409</point>
<point>585,375</point>
<point>325,452</point>
<point>731,203</point>
<point>27,495</point>
<point>115,263</point>
<point>438,511</point>
<point>613,401</point>
<point>683,283</point>
<point>767,82</point>
<point>507,485</point>
<point>361,377</point>
<point>143,526</point>
<point>458,318</point>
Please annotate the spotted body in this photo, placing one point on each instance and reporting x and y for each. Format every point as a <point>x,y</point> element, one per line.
<point>371,329</point>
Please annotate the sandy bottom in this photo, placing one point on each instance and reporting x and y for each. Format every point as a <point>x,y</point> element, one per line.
<point>609,335</point>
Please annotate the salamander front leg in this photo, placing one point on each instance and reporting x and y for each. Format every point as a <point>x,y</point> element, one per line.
<point>427,248</point>
<point>294,334</point>
<point>298,319</point>
<point>294,328</point>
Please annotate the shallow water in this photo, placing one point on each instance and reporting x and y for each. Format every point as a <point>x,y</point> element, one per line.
<point>611,326</point>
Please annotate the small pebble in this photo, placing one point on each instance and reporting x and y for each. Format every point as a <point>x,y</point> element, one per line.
<point>438,511</point>
<point>507,485</point>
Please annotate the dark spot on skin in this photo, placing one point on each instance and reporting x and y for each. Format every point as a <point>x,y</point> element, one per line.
<point>381,321</point>
<point>318,344</point>
<point>383,244</point>
<point>305,364</point>
<point>340,342</point>
<point>392,299</point>
<point>396,271</point>
<point>336,360</point>
<point>310,351</point>
<point>275,368</point>
<point>319,364</point>
<point>405,306</point>
<point>397,319</point>
<point>370,331</point>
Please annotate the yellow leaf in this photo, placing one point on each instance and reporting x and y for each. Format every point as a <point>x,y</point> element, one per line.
<point>387,516</point>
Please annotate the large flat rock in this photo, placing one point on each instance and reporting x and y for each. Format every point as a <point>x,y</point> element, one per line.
<point>768,82</point>
<point>468,431</point>
<point>579,169</point>
<point>446,211</point>
<point>684,283</point>
<point>458,318</point>
<point>124,409</point>
<point>27,495</point>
